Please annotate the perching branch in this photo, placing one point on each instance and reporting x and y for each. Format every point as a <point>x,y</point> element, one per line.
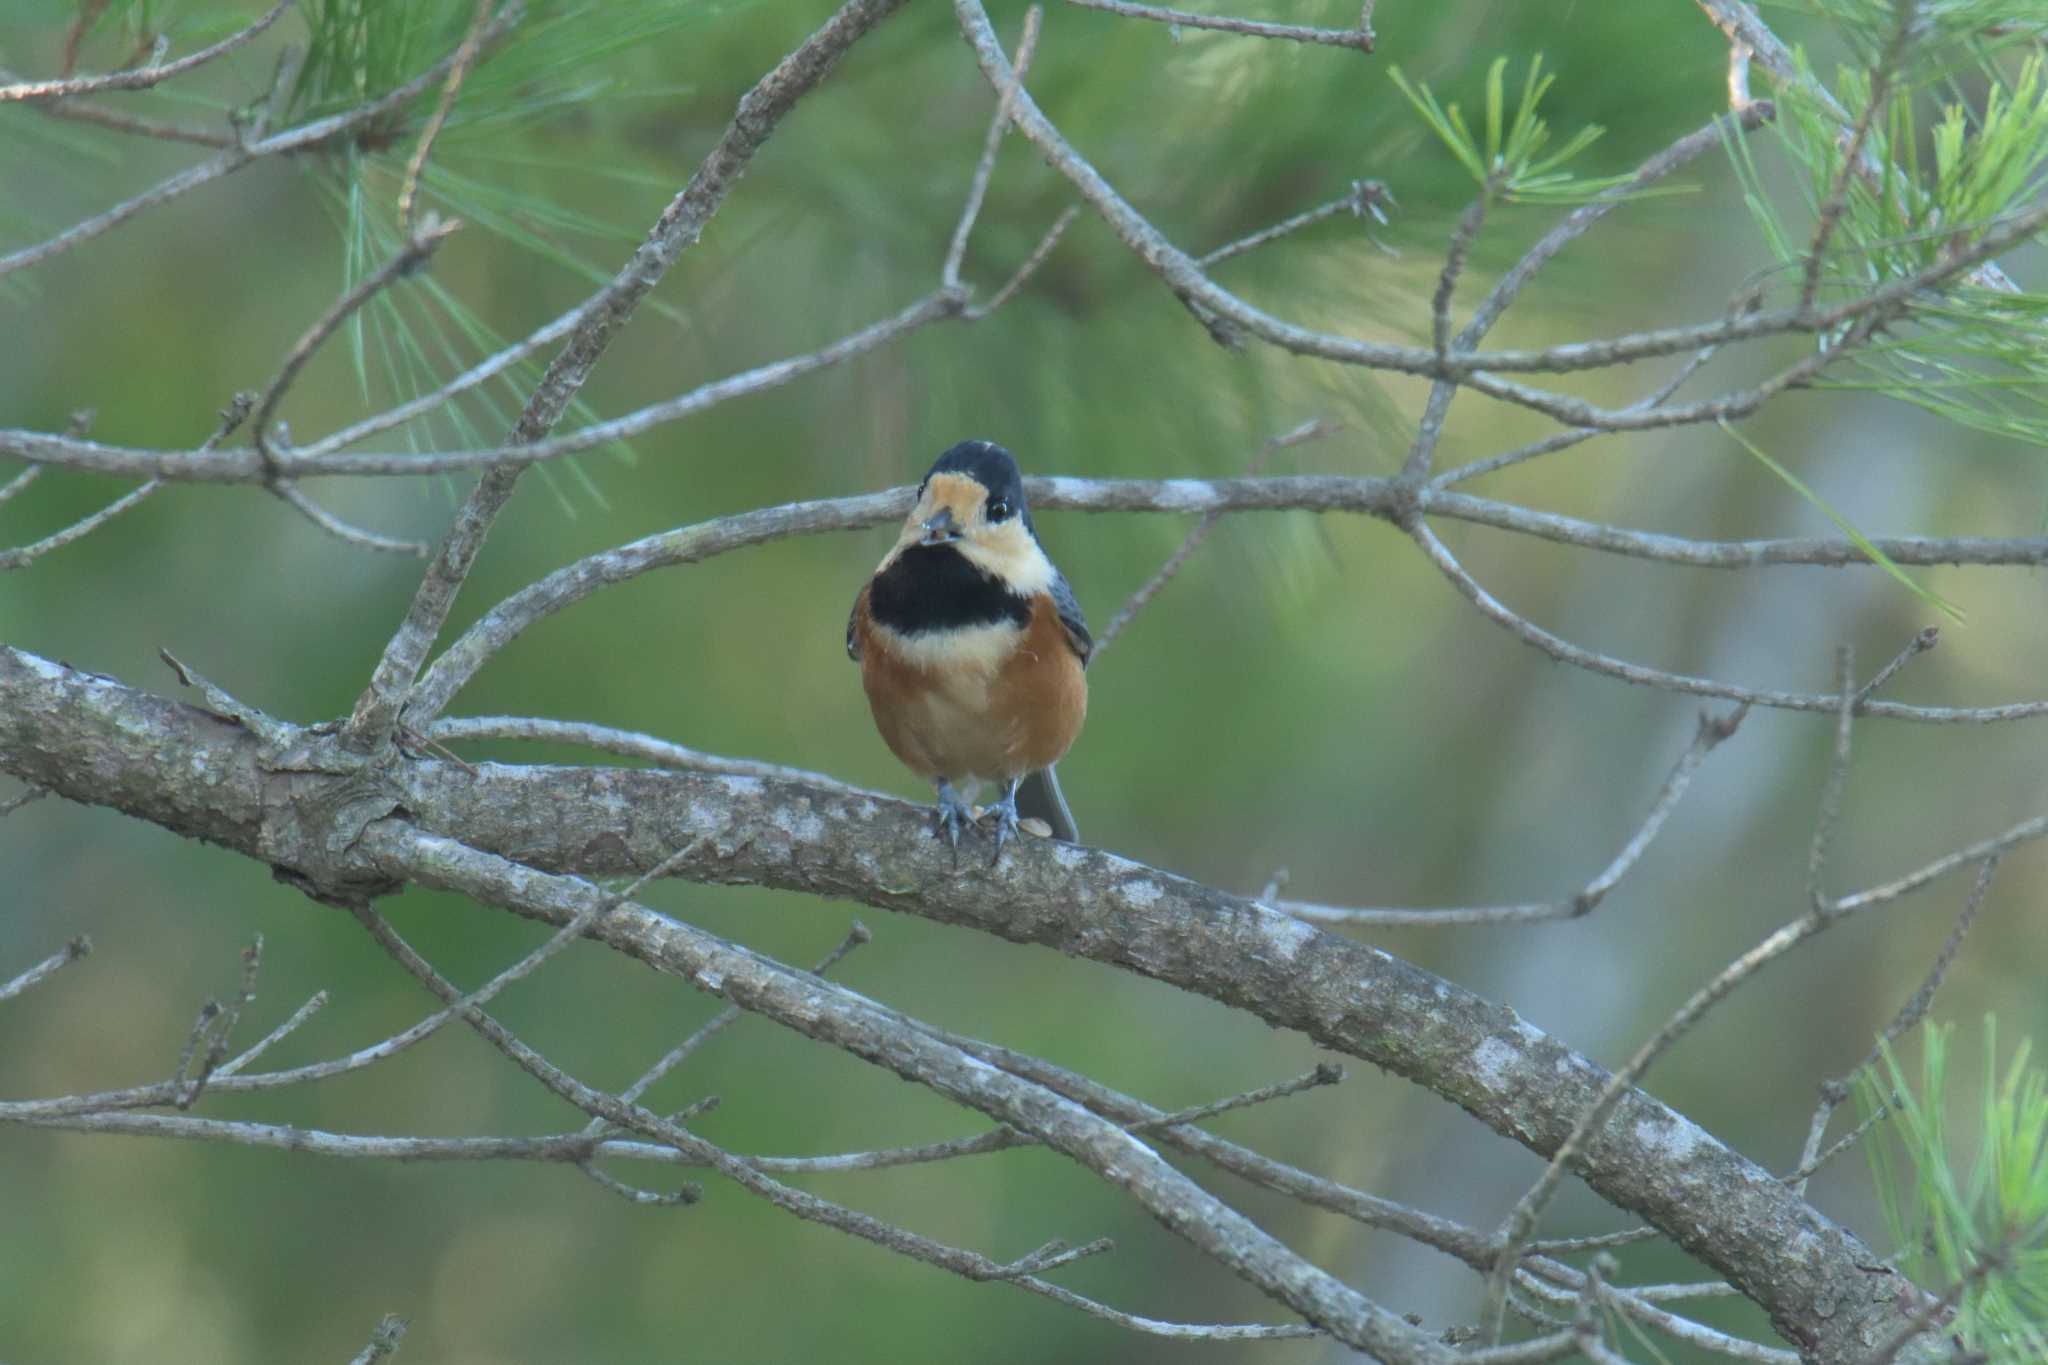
<point>194,773</point>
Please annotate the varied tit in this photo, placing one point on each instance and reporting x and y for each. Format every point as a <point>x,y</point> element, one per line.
<point>971,646</point>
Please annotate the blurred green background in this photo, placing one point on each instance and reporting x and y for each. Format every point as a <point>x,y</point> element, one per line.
<point>1307,695</point>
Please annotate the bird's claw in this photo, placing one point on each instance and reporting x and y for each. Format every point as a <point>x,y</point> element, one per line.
<point>954,813</point>
<point>1005,812</point>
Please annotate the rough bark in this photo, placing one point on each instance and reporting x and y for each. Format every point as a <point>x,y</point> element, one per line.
<point>292,797</point>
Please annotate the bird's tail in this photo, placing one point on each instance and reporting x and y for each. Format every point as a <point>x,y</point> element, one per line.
<point>1040,796</point>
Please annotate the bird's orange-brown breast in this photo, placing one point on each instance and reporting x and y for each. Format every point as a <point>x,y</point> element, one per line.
<point>1041,696</point>
<point>993,702</point>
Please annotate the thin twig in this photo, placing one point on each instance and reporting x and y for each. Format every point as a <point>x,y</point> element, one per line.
<point>1830,813</point>
<point>626,744</point>
<point>345,533</point>
<point>1315,429</point>
<point>1360,38</point>
<point>418,249</point>
<point>1812,1161</point>
<point>56,962</point>
<point>25,555</point>
<point>118,122</point>
<point>1921,643</point>
<point>458,72</point>
<point>1365,197</point>
<point>1594,662</point>
<point>1837,1089</point>
<point>143,77</point>
<point>1565,440</point>
<point>384,1340</point>
<point>15,803</point>
<point>1708,735</point>
<point>977,311</point>
<point>718,1023</point>
<point>218,1023</point>
<point>19,482</point>
<point>998,124</point>
<point>314,1004</point>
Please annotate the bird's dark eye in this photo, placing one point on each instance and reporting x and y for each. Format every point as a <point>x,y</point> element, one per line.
<point>998,509</point>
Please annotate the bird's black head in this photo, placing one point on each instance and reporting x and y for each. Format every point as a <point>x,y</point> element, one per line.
<point>991,466</point>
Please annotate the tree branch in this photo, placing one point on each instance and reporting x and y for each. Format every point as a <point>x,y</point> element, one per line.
<point>142,77</point>
<point>91,739</point>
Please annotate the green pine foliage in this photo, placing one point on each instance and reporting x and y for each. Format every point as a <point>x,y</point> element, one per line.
<point>1514,159</point>
<point>1951,101</point>
<point>1978,1228</point>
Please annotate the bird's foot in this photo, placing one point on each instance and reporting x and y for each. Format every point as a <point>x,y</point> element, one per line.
<point>955,812</point>
<point>1005,812</point>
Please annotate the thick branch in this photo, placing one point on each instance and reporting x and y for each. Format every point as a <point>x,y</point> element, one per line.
<point>93,740</point>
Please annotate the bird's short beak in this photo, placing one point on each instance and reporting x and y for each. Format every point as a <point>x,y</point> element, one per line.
<point>941,529</point>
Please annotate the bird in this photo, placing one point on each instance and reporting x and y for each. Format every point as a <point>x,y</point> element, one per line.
<point>972,647</point>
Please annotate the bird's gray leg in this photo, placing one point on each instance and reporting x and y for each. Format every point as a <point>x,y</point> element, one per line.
<point>955,811</point>
<point>1005,812</point>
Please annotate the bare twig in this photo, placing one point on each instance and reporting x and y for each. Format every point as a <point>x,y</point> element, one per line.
<point>1359,39</point>
<point>1837,1089</point>
<point>16,802</point>
<point>1830,813</point>
<point>143,77</point>
<point>35,976</point>
<point>215,1026</point>
<point>408,259</point>
<point>1469,225</point>
<point>118,122</point>
<point>1921,643</point>
<point>384,1340</point>
<point>458,72</point>
<point>998,124</point>
<point>2024,832</point>
<point>1812,1160</point>
<point>314,1004</point>
<point>1364,198</point>
<point>342,531</point>
<point>25,555</point>
<point>977,311</point>
<point>1314,429</point>
<point>626,744</point>
<point>718,1023</point>
<point>1709,734</point>
<point>19,482</point>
